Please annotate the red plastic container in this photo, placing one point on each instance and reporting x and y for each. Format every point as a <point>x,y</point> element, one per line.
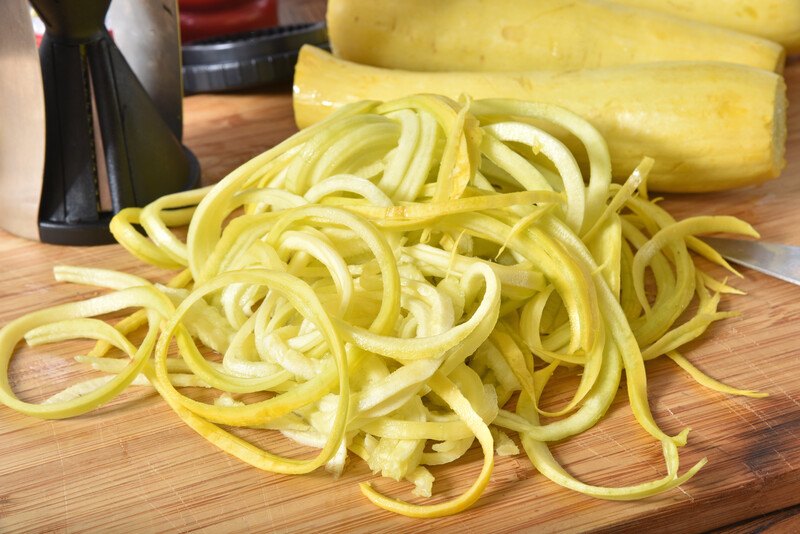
<point>201,19</point>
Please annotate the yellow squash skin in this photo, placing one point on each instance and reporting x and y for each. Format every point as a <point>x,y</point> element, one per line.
<point>777,20</point>
<point>507,35</point>
<point>709,126</point>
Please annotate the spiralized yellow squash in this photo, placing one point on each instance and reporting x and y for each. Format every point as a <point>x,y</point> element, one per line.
<point>394,279</point>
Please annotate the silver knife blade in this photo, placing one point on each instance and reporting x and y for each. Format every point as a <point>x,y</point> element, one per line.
<point>774,259</point>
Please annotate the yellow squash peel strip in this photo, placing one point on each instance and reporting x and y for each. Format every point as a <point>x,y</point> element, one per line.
<point>392,278</point>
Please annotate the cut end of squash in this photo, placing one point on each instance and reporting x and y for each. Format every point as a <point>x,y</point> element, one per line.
<point>779,131</point>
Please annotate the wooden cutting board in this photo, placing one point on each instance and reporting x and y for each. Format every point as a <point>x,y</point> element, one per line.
<point>133,466</point>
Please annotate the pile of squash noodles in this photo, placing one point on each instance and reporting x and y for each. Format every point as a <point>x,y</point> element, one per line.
<point>394,283</point>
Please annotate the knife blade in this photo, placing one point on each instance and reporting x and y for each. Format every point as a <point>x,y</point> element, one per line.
<point>774,259</point>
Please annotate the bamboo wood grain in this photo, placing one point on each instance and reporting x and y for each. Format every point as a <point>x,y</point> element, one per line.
<point>133,466</point>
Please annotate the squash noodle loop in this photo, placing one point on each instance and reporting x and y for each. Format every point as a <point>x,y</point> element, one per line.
<point>395,283</point>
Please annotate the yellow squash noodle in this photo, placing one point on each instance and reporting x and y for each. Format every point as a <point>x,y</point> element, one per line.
<point>397,282</point>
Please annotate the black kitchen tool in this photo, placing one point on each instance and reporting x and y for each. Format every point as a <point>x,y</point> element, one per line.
<point>107,146</point>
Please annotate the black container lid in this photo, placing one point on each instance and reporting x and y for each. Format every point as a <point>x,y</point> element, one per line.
<point>248,59</point>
